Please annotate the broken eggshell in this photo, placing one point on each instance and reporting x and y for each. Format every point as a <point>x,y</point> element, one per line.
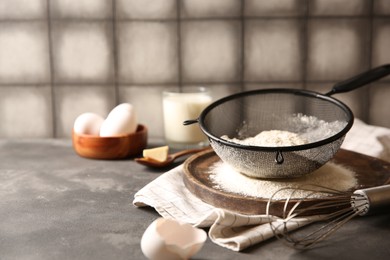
<point>167,239</point>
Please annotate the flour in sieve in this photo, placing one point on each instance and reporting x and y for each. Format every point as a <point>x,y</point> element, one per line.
<point>330,175</point>
<point>313,129</point>
<point>270,138</point>
<point>298,129</point>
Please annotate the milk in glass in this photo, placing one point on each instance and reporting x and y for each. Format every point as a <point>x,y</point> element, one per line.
<point>180,106</point>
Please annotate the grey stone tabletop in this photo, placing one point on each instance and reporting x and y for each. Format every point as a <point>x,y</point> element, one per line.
<point>57,205</point>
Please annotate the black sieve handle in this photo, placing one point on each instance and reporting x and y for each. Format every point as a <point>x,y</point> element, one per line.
<point>191,121</point>
<point>360,80</point>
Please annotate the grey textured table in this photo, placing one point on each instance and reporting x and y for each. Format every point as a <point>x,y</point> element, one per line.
<point>57,205</point>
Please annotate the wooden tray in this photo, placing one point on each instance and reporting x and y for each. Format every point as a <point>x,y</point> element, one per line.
<point>369,171</point>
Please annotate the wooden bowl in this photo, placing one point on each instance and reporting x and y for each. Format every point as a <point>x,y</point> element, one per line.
<point>118,147</point>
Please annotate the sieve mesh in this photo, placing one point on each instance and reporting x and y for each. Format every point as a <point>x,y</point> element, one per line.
<point>248,113</point>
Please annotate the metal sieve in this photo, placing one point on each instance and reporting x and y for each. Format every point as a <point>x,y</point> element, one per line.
<point>246,114</point>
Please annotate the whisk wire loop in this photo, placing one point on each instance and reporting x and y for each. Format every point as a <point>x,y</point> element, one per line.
<point>310,239</point>
<point>333,207</point>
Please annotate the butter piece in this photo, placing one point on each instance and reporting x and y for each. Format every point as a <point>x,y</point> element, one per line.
<point>159,154</point>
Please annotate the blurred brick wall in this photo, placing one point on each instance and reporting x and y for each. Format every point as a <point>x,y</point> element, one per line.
<point>60,58</point>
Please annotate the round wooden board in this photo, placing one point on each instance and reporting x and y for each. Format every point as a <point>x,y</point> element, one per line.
<point>370,172</point>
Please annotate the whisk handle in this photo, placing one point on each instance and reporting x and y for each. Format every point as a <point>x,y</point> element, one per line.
<point>376,199</point>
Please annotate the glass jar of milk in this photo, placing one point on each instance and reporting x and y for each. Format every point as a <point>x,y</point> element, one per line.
<point>178,106</point>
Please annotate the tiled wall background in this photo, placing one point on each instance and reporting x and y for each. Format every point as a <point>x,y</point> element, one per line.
<point>60,58</point>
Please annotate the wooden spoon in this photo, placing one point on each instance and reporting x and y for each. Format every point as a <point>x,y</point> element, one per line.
<point>170,158</point>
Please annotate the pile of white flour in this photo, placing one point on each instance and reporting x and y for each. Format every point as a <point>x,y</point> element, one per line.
<point>330,175</point>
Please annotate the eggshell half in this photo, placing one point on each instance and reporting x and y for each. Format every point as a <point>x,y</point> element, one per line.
<point>167,239</point>
<point>88,124</point>
<point>121,120</point>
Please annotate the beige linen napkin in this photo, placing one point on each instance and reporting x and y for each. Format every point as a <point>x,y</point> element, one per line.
<point>171,199</point>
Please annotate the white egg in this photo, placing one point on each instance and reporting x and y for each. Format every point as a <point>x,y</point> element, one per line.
<point>167,239</point>
<point>121,120</point>
<point>88,124</point>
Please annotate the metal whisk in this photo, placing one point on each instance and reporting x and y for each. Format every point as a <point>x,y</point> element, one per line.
<point>334,207</point>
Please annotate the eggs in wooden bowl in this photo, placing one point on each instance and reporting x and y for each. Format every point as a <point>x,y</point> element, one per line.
<point>116,137</point>
<point>115,147</point>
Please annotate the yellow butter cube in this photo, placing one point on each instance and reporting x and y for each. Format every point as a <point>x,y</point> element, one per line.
<point>159,154</point>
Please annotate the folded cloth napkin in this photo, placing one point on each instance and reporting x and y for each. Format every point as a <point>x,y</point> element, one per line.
<point>171,199</point>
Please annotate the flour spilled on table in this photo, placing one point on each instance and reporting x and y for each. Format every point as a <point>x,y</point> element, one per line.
<point>330,175</point>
